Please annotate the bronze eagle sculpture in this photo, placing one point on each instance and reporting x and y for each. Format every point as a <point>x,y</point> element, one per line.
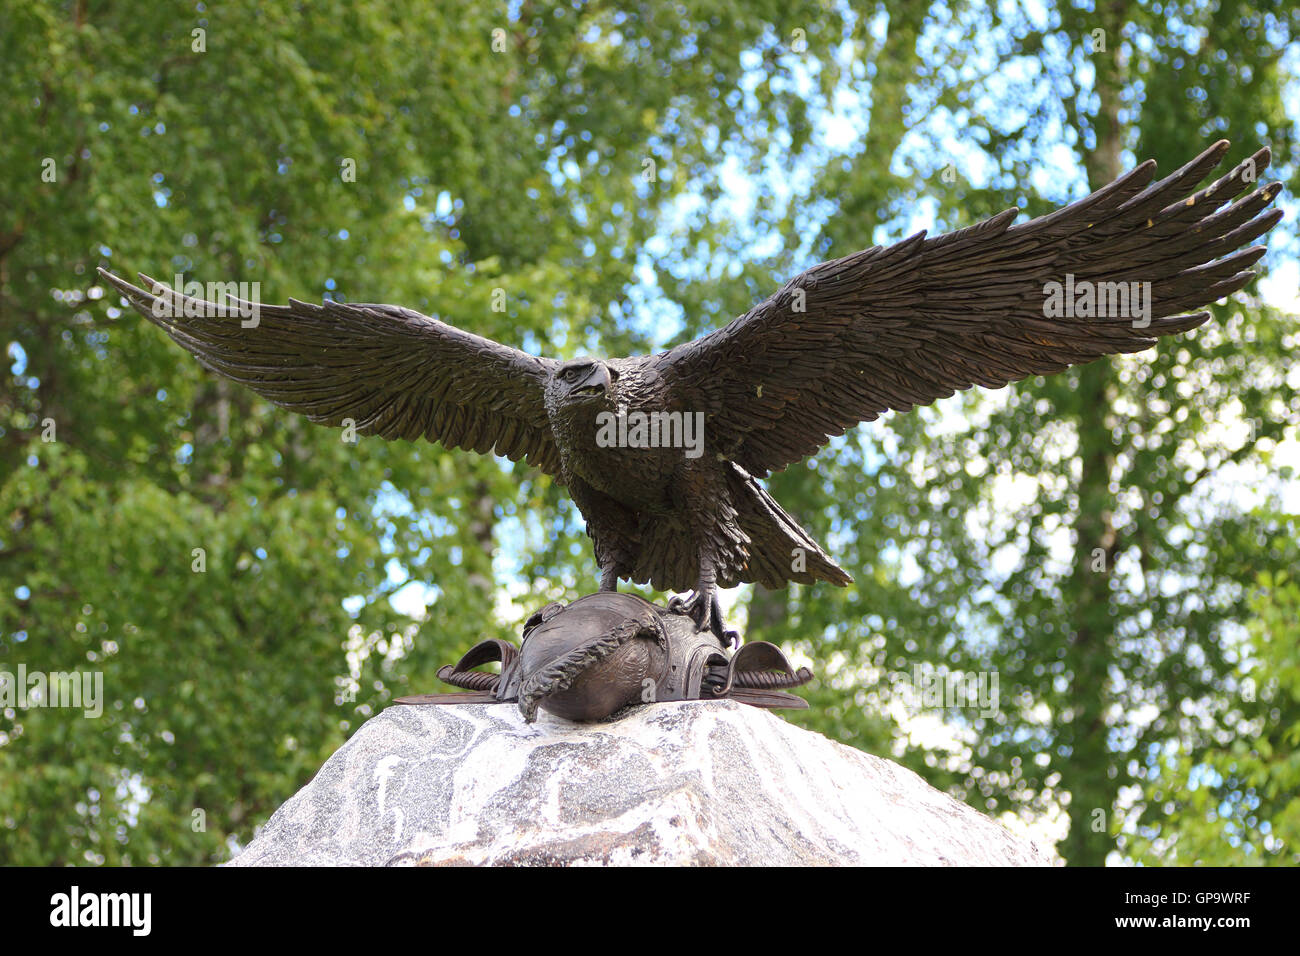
<point>888,328</point>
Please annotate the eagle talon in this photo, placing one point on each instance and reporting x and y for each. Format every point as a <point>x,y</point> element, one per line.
<point>702,607</point>
<point>690,604</point>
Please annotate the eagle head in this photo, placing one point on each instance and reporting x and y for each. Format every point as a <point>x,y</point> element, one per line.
<point>581,383</point>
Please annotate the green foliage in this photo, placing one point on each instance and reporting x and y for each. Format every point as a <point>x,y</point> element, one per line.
<point>1238,799</point>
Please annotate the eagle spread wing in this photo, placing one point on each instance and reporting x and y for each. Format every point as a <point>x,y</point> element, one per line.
<point>886,328</point>
<point>891,328</point>
<point>394,372</point>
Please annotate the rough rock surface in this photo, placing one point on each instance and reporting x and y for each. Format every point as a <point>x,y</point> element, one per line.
<point>693,782</point>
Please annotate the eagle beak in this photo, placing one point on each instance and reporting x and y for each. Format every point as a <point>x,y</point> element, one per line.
<point>596,383</point>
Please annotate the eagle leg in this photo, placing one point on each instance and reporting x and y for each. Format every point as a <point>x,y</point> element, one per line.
<point>703,607</point>
<point>609,577</point>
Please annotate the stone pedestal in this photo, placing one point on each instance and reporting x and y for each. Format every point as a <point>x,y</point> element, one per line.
<point>692,782</point>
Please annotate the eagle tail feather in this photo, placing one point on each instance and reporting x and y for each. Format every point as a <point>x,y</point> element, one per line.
<point>779,549</point>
